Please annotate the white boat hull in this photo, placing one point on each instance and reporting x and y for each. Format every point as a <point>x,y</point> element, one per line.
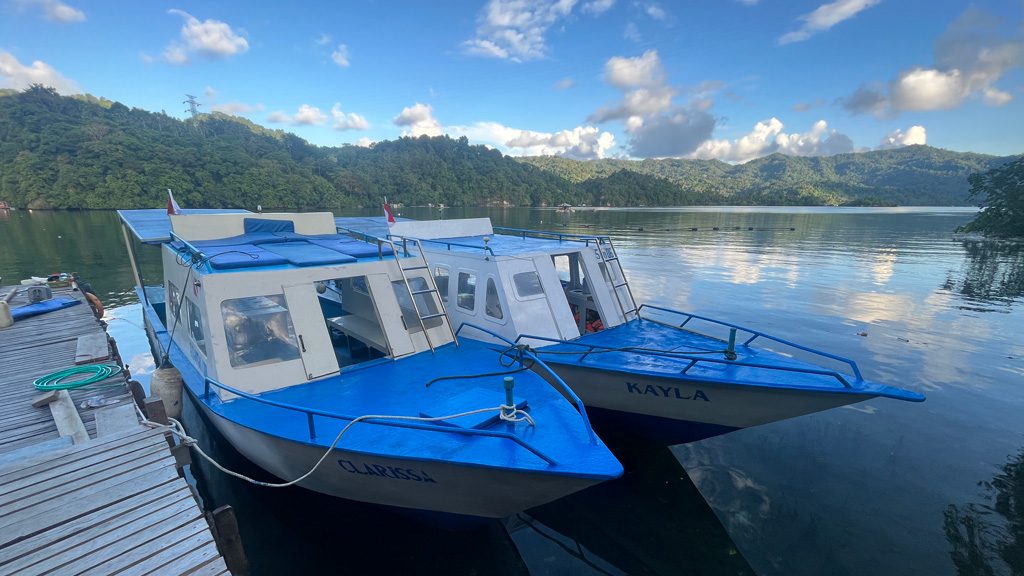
<point>408,483</point>
<point>677,411</point>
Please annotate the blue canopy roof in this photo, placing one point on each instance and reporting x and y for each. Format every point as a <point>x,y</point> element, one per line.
<point>152,226</point>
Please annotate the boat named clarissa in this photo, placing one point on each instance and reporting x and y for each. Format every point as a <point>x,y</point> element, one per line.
<point>285,332</point>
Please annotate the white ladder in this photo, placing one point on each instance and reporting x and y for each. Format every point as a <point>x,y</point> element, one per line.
<point>430,289</point>
<point>613,267</point>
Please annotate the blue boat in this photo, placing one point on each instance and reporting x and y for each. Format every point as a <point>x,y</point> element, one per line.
<point>670,375</point>
<point>314,353</point>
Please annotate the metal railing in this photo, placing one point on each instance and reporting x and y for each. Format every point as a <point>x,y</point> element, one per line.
<point>693,360</point>
<point>560,236</point>
<point>754,335</point>
<point>538,362</point>
<point>312,413</point>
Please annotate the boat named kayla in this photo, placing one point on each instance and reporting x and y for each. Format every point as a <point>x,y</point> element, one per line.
<point>288,375</point>
<point>672,376</point>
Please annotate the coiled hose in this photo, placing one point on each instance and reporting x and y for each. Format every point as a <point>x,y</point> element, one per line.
<point>57,380</point>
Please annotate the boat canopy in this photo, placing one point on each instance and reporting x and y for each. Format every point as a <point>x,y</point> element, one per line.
<point>153,226</point>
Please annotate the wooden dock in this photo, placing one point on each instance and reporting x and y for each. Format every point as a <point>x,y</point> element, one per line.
<point>84,486</point>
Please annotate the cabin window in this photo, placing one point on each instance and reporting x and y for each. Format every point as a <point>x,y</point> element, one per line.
<point>467,291</point>
<point>492,305</point>
<point>441,279</point>
<point>173,300</point>
<point>259,330</point>
<point>351,318</point>
<point>195,326</point>
<point>527,284</point>
<point>562,267</point>
<point>425,302</point>
<point>359,285</point>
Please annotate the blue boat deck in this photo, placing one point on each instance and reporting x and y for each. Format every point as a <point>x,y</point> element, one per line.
<point>651,348</point>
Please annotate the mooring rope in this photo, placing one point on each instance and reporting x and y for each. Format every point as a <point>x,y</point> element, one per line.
<point>505,412</point>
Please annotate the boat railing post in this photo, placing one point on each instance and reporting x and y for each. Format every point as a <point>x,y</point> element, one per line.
<point>730,351</point>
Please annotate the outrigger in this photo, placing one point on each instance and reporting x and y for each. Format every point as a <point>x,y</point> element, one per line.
<point>670,375</point>
<point>289,335</point>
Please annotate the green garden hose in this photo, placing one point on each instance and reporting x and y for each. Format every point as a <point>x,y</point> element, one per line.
<point>55,381</point>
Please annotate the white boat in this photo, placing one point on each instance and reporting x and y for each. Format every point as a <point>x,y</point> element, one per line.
<point>670,375</point>
<point>280,369</point>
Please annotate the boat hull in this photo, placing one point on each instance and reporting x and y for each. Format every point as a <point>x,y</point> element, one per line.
<point>412,483</point>
<point>677,410</point>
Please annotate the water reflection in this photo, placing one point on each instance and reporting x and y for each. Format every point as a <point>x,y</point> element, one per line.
<point>988,538</point>
<point>990,273</point>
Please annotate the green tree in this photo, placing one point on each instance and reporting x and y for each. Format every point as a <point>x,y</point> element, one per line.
<point>1001,195</point>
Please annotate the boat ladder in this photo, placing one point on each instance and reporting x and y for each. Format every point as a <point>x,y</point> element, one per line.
<point>616,276</point>
<point>430,289</point>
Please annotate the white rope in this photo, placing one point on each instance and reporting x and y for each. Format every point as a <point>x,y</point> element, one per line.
<point>505,412</point>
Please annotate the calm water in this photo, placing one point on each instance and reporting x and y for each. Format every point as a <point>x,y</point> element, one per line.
<point>881,487</point>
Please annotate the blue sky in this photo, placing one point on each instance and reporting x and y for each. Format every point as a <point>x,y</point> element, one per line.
<point>727,79</point>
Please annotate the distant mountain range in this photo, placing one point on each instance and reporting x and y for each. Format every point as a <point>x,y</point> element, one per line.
<point>87,152</point>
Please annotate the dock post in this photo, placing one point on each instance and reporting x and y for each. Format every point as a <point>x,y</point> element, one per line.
<point>229,542</point>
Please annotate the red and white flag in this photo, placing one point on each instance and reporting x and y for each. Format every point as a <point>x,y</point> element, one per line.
<point>388,214</point>
<point>172,206</point>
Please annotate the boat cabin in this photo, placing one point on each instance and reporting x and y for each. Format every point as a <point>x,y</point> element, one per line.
<point>266,301</point>
<point>512,281</point>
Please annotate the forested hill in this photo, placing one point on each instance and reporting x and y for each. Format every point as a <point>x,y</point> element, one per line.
<point>87,152</point>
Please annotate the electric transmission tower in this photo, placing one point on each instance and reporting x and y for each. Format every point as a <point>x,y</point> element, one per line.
<point>193,105</point>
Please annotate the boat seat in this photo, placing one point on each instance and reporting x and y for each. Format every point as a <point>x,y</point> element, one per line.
<point>307,254</point>
<point>240,256</point>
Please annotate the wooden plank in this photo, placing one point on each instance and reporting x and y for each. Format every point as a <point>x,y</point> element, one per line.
<point>82,551</point>
<point>52,549</point>
<point>213,568</point>
<point>44,399</point>
<point>42,449</point>
<point>69,423</point>
<point>133,549</point>
<point>75,455</point>
<point>33,495</point>
<point>92,347</point>
<point>116,419</point>
<point>71,506</point>
<point>201,556</point>
<point>141,560</point>
<point>155,410</point>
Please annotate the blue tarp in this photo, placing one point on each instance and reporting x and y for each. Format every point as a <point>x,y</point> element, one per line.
<point>43,307</point>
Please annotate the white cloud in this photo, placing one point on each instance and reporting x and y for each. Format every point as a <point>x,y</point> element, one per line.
<point>673,134</point>
<point>14,74</point>
<point>655,11</point>
<point>824,17</point>
<point>364,142</point>
<point>596,7</point>
<point>515,29</point>
<point>237,108</point>
<point>305,116</point>
<point>928,89</point>
<point>581,142</point>
<point>971,56</point>
<point>996,97</point>
<point>632,33</point>
<point>54,10</point>
<point>322,40</point>
<point>419,121</point>
<point>349,121</point>
<point>565,83</point>
<point>768,137</point>
<point>212,38</point>
<point>644,70</point>
<point>898,138</point>
<point>210,92</point>
<point>748,2</point>
<point>340,56</point>
<point>645,91</point>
